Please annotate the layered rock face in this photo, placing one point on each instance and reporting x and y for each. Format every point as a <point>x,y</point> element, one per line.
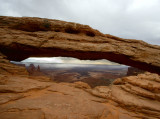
<point>134,97</point>
<point>139,93</point>
<point>24,97</point>
<point>10,69</point>
<point>21,38</point>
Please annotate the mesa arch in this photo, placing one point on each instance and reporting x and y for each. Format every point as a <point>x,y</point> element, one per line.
<point>25,37</point>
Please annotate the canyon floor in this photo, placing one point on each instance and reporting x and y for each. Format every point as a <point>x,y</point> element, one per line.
<point>93,75</point>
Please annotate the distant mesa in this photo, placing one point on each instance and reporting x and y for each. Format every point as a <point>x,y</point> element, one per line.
<point>38,68</point>
<point>33,70</point>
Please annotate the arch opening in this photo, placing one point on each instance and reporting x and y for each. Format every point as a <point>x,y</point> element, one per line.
<point>68,69</point>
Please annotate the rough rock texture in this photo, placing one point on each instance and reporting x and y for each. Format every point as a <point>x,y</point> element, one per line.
<point>139,94</point>
<point>26,97</point>
<point>7,68</point>
<point>49,100</point>
<point>24,37</point>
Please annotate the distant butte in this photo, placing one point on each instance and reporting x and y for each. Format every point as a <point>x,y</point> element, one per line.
<point>25,37</point>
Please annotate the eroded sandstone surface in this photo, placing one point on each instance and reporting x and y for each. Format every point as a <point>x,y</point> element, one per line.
<point>24,37</point>
<point>27,97</point>
<point>23,97</point>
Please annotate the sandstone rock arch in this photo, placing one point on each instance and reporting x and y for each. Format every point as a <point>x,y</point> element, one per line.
<point>25,37</point>
<point>22,95</point>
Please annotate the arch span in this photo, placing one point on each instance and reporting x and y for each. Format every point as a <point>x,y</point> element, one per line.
<point>25,37</point>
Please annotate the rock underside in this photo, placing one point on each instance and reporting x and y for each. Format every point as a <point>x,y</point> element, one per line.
<point>24,97</point>
<point>25,37</point>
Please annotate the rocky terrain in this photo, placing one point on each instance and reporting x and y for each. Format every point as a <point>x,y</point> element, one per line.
<point>24,97</point>
<point>93,75</point>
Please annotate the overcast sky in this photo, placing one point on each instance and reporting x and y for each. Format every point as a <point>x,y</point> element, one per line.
<point>68,60</point>
<point>134,19</point>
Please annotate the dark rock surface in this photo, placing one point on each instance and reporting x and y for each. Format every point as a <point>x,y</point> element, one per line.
<point>134,71</point>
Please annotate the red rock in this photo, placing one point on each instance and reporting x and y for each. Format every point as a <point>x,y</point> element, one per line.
<point>139,94</point>
<point>25,37</point>
<point>25,97</point>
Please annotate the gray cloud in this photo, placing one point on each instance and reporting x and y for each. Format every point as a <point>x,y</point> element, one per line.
<point>68,60</point>
<point>133,19</point>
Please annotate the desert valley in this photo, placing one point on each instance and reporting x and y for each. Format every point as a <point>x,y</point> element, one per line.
<point>93,75</point>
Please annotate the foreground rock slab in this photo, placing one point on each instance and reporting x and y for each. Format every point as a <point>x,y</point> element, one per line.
<point>139,94</point>
<point>23,97</point>
<point>25,37</point>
